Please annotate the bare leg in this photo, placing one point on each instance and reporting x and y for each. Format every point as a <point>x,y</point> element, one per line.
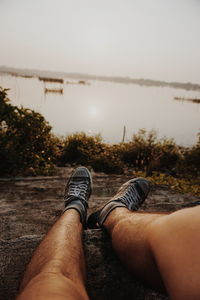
<point>57,269</point>
<point>129,233</point>
<point>161,249</point>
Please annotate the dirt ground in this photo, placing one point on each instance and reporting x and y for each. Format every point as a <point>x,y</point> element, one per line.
<point>31,205</point>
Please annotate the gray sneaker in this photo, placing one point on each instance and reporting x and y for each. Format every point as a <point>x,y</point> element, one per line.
<point>131,195</point>
<point>78,191</point>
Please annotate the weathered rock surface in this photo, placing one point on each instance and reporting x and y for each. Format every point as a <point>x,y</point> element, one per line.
<point>107,278</point>
<point>28,207</point>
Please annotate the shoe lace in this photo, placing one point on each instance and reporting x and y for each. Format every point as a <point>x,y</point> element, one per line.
<point>131,197</point>
<point>78,189</point>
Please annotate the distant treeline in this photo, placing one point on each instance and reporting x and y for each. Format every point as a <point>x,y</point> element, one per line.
<point>124,80</point>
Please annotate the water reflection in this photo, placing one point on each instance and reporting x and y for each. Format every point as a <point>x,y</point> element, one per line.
<point>106,107</point>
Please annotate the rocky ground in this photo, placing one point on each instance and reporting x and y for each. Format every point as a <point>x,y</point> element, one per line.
<point>29,206</point>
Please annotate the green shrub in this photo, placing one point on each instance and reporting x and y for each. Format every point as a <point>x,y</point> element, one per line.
<point>146,152</point>
<point>190,165</point>
<point>80,148</point>
<point>26,145</point>
<point>108,161</point>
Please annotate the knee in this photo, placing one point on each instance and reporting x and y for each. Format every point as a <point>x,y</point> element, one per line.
<point>50,285</point>
<point>166,228</point>
<point>157,231</point>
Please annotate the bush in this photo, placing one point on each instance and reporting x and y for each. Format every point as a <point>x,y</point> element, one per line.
<point>146,152</point>
<point>26,145</point>
<point>190,165</point>
<point>80,148</point>
<point>108,161</point>
<point>139,151</point>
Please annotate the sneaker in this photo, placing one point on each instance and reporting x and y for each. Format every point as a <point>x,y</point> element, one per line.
<point>78,191</point>
<point>131,195</point>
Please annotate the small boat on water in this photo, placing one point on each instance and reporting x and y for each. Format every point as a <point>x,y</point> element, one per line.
<point>82,82</point>
<point>46,79</point>
<point>57,91</point>
<point>21,75</point>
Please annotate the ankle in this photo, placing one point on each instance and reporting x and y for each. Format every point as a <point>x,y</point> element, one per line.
<point>79,207</point>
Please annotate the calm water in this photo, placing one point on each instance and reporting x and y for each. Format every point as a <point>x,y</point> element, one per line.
<point>105,107</point>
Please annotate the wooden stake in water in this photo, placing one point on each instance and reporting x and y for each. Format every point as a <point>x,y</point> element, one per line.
<point>124,133</point>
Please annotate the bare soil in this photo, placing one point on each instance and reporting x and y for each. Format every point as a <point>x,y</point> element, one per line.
<point>31,205</point>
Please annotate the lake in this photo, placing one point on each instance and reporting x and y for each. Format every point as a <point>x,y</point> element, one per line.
<point>106,107</point>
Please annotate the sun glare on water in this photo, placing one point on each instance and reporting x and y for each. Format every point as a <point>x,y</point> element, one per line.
<point>93,111</point>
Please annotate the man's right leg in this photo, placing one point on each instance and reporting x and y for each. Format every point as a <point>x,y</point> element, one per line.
<point>129,234</point>
<point>160,249</point>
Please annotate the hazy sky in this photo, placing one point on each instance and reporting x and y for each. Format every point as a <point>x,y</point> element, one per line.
<point>158,39</point>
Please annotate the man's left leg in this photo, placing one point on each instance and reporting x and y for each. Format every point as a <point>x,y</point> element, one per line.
<point>57,269</point>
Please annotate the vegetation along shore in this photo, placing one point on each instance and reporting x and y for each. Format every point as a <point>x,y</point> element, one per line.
<point>29,148</point>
